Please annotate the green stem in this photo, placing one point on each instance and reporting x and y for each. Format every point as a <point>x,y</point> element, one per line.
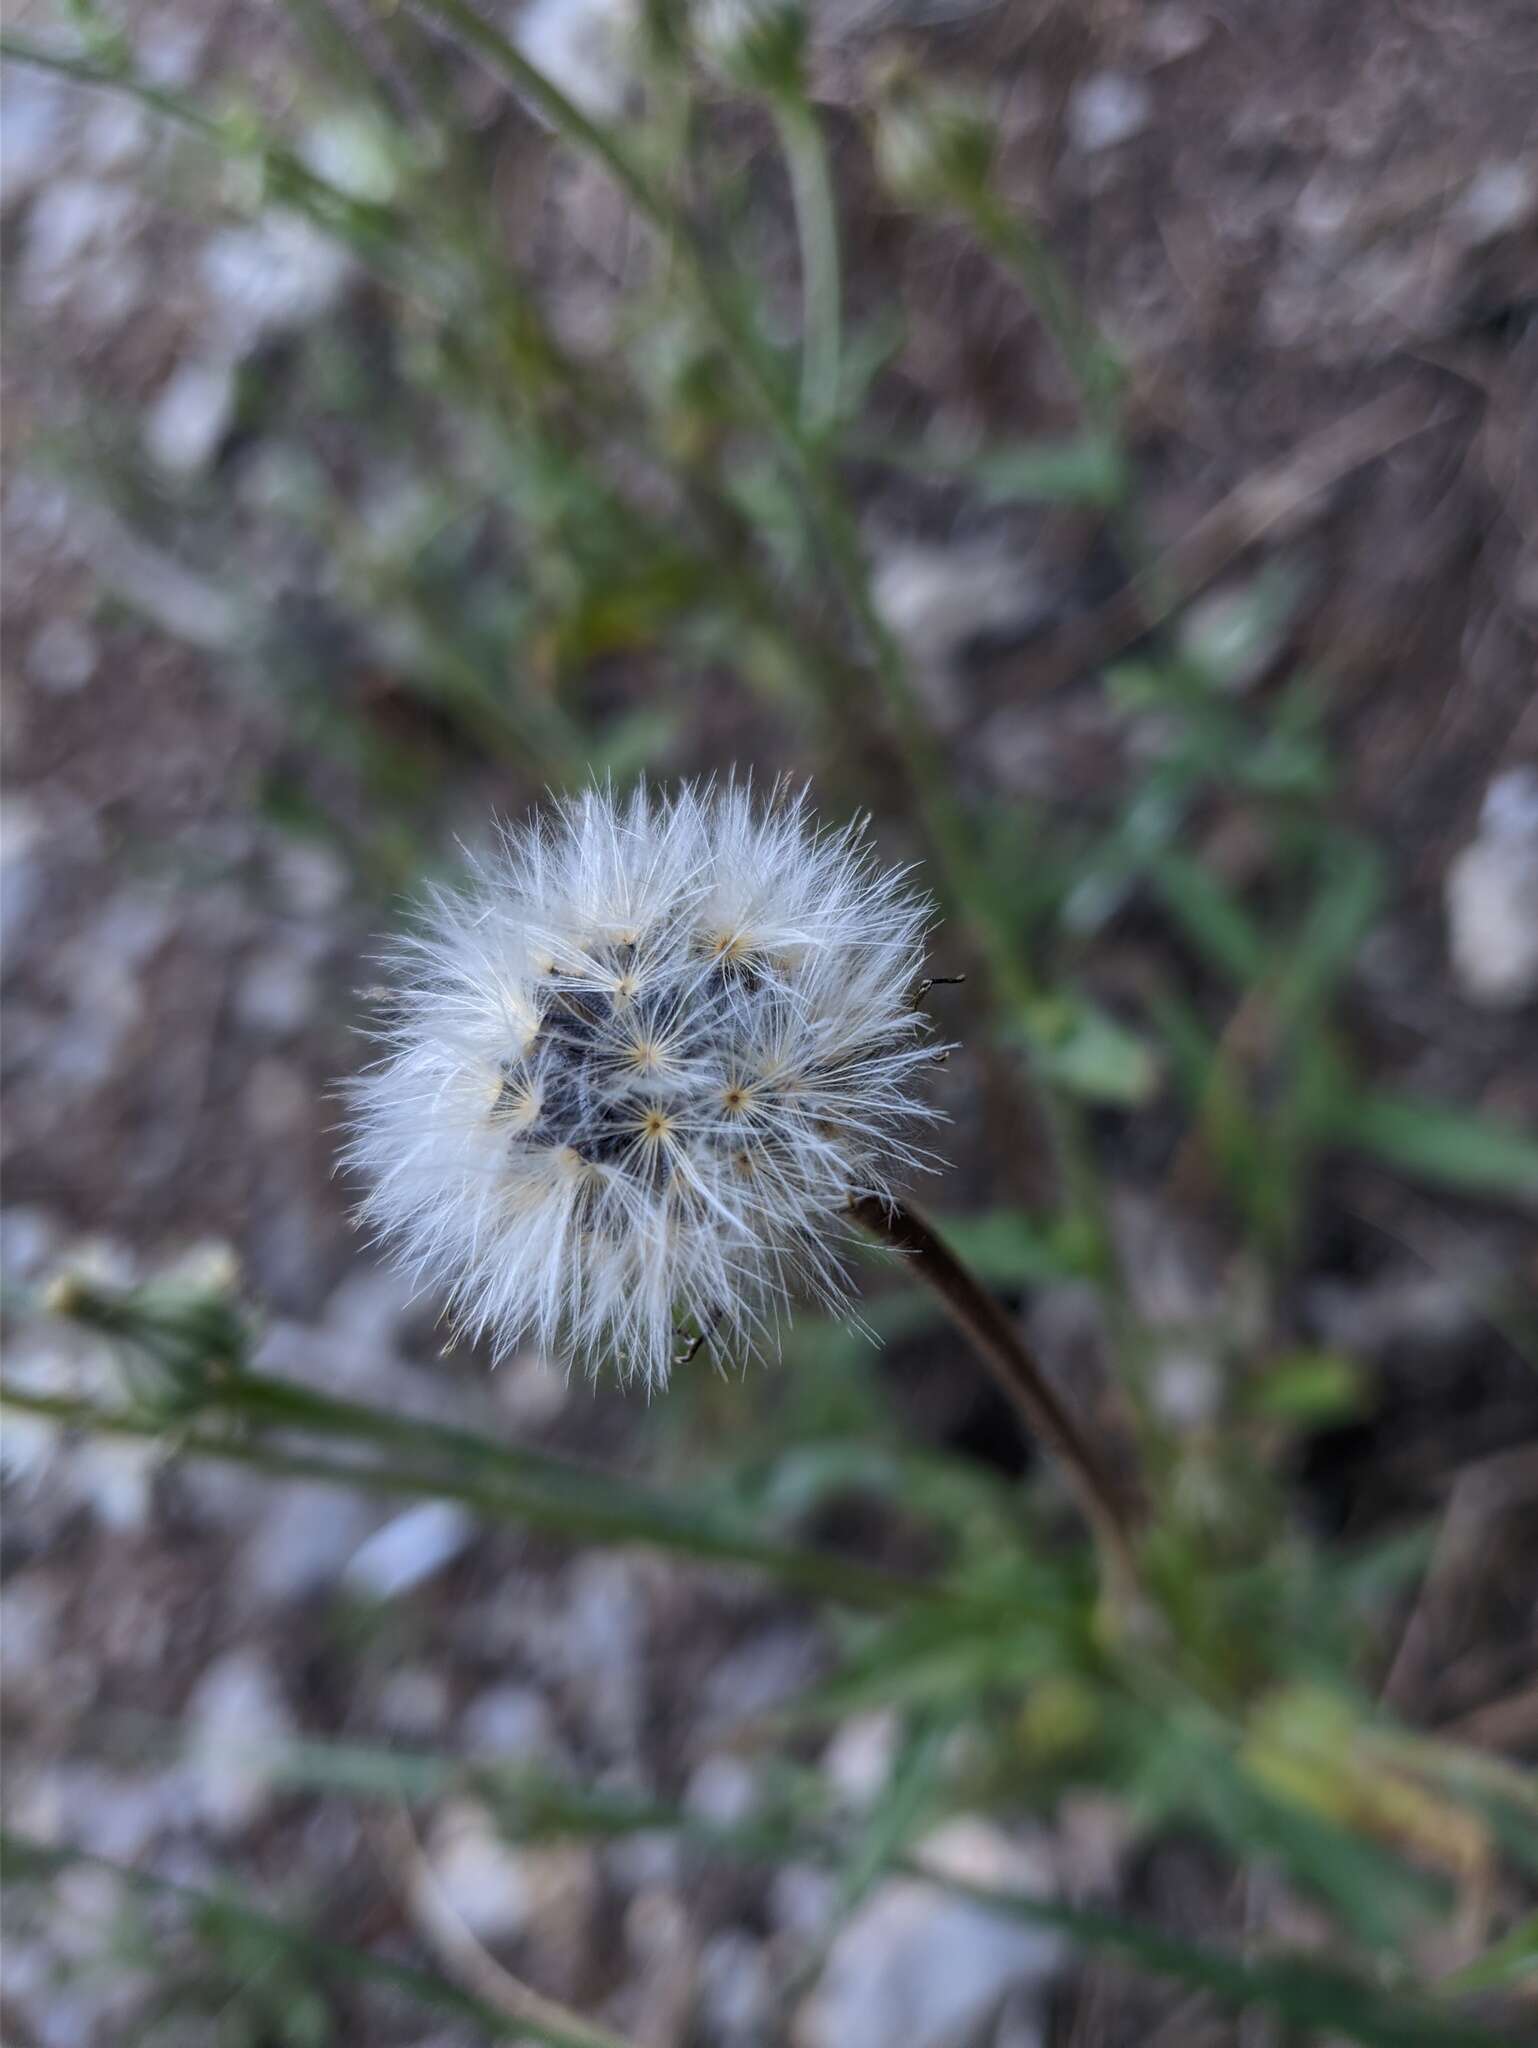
<point>540,1493</point>
<point>831,522</point>
<point>371,229</point>
<point>1017,248</point>
<point>806,159</point>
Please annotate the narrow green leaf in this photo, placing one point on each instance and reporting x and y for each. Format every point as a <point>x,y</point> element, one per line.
<point>1087,469</point>
<point>1008,1247</point>
<point>1333,929</point>
<point>1087,1052</point>
<point>1302,1992</point>
<point>583,1506</point>
<point>1186,1771</point>
<point>1221,931</point>
<point>1453,1147</point>
<point>1512,1960</point>
<point>1313,1388</point>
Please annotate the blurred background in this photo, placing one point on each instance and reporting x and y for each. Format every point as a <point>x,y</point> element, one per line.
<point>1102,442</point>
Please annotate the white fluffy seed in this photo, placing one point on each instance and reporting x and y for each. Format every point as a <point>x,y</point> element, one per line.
<point>634,1071</point>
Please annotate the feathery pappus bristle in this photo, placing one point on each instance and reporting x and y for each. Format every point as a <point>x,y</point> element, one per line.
<point>635,1069</point>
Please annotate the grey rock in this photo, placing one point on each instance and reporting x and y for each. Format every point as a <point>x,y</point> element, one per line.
<point>76,225</point>
<point>312,880</point>
<point>276,993</point>
<point>723,1790</point>
<point>116,135</point>
<point>586,47</point>
<point>920,1968</point>
<point>600,1646</point>
<point>107,1813</point>
<point>236,1721</point>
<point>1108,109</point>
<point>324,1359</point>
<point>271,278</point>
<point>371,1307</point>
<point>191,415</point>
<point>23,873</point>
<point>302,1543</point>
<point>413,1703</point>
<point>353,152</point>
<point>1492,897</point>
<point>661,1947</point>
<point>764,1673</point>
<point>1326,208</point>
<point>159,588</point>
<point>858,1761</point>
<point>1501,198</point>
<point>1172,31</point>
<point>512,1724</point>
<point>530,1391</point>
<point>112,1478</point>
<point>29,1626</point>
<point>101,970</point>
<point>736,1992</point>
<point>1402,1310</point>
<point>938,601</point>
<point>277,1101</point>
<point>62,656</point>
<point>644,1861</point>
<point>29,1239</point>
<point>34,132</point>
<point>116,1481</point>
<point>473,1879</point>
<point>409,1550</point>
<point>802,1900</point>
<point>470,1878</point>
<point>170,48</point>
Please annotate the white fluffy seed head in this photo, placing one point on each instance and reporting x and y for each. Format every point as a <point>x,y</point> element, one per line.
<point>633,1072</point>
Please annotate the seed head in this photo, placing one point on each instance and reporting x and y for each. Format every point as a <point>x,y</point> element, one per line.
<point>635,1069</point>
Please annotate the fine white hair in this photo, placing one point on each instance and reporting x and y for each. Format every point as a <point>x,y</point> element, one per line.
<point>635,1068</point>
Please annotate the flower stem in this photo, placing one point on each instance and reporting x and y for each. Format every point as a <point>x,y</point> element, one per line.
<point>817,230</point>
<point>995,1338</point>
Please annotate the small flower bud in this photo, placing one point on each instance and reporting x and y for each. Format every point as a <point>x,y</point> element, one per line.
<point>188,1328</point>
<point>759,45</point>
<point>934,148</point>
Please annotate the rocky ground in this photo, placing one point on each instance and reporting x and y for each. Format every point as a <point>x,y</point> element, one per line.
<point>1290,215</point>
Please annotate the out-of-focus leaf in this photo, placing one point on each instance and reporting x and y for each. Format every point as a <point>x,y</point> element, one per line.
<point>1221,931</point>
<point>635,743</point>
<point>1088,1052</point>
<point>1313,1388</point>
<point>1336,923</point>
<point>1228,637</point>
<point>1088,469</point>
<point>1186,1772</point>
<point>1454,1147</point>
<point>868,349</point>
<point>1299,1990</point>
<point>1007,1247</point>
<point>1512,1960</point>
<point>1314,1748</point>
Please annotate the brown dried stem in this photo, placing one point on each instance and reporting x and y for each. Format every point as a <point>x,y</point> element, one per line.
<point>997,1341</point>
